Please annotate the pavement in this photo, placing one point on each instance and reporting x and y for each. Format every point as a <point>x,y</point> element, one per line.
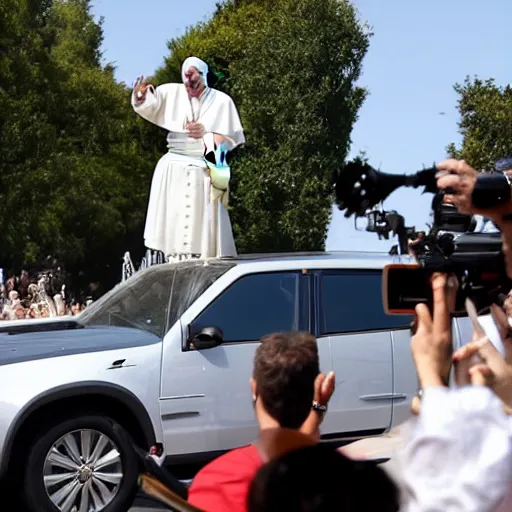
<point>143,504</point>
<point>386,446</point>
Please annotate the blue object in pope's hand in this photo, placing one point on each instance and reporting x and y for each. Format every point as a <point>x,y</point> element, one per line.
<point>220,173</point>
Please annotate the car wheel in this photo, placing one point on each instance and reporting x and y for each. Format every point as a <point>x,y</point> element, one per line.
<point>80,465</point>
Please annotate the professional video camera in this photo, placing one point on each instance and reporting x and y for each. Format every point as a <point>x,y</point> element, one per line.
<point>451,245</point>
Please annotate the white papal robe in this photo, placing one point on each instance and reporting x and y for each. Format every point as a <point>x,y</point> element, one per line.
<point>186,215</point>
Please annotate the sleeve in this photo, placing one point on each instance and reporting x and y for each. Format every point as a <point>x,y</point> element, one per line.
<point>152,109</point>
<point>152,106</point>
<point>225,121</point>
<point>458,456</point>
<point>236,136</point>
<point>221,487</point>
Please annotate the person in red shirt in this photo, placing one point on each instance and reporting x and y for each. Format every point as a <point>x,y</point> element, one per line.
<point>289,394</point>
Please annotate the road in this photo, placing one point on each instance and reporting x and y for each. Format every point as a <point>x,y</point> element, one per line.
<point>146,505</point>
<point>141,504</point>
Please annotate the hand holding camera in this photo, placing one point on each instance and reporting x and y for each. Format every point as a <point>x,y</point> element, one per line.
<point>451,245</point>
<point>487,194</point>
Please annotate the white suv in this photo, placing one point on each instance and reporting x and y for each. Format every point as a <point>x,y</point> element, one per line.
<point>167,355</point>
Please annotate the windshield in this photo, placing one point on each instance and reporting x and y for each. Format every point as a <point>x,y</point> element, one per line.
<point>153,299</point>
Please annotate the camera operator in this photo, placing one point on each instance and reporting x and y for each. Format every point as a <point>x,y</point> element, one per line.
<point>486,194</point>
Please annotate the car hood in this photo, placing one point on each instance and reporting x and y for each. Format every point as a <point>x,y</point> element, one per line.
<point>17,347</point>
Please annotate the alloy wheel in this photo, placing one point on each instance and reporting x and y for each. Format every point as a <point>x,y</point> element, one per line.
<point>83,471</point>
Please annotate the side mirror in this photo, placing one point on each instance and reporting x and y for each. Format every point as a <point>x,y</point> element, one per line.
<point>208,337</point>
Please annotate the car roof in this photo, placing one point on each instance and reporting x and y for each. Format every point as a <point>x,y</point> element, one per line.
<point>288,260</point>
<point>333,259</point>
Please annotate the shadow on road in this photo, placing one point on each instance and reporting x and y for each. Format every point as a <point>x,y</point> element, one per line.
<point>144,504</point>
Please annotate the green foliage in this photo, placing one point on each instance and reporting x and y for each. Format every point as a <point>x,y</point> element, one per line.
<point>77,162</point>
<point>73,176</point>
<point>291,67</point>
<point>486,122</point>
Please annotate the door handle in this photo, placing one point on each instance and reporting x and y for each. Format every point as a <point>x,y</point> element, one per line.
<point>383,396</point>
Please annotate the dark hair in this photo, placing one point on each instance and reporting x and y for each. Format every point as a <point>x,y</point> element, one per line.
<point>285,368</point>
<point>320,479</point>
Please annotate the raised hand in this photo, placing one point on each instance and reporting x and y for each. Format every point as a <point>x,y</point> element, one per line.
<point>323,390</point>
<point>141,88</point>
<point>493,370</point>
<point>431,344</point>
<point>502,318</point>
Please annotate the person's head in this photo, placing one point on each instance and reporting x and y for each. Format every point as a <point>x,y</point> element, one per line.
<point>285,368</point>
<point>19,312</point>
<point>320,479</point>
<point>194,73</point>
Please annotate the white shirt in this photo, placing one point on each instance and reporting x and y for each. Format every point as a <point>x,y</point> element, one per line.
<point>458,457</point>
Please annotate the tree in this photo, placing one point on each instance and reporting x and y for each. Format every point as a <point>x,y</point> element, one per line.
<point>291,66</point>
<point>75,170</point>
<point>485,122</point>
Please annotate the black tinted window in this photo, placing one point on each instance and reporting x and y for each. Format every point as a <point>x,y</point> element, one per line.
<point>352,301</point>
<point>254,306</point>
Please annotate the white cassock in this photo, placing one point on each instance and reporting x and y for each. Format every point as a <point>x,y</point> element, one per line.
<point>186,215</point>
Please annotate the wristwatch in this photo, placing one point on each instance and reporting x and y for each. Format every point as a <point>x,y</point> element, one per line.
<point>318,407</point>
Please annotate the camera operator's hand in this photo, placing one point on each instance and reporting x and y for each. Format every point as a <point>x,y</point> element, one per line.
<point>431,345</point>
<point>460,179</point>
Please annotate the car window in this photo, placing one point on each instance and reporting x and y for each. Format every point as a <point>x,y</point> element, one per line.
<point>254,306</point>
<point>351,301</point>
<point>154,298</point>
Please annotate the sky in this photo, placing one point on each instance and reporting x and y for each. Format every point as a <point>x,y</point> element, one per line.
<point>419,50</point>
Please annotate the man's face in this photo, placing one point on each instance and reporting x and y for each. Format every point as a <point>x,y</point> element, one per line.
<point>194,82</point>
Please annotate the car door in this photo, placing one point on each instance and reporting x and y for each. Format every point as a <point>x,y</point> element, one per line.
<point>350,313</point>
<point>206,401</point>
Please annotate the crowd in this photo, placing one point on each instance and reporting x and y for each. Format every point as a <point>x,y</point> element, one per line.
<point>457,447</point>
<point>40,295</point>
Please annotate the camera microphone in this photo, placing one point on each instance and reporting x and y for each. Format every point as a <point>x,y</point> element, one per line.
<point>359,186</point>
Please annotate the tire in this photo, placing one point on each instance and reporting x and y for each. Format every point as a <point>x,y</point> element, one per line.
<point>113,488</point>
